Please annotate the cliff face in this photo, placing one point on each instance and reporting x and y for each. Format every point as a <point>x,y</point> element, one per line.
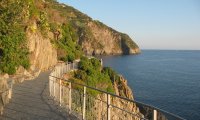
<point>4,96</point>
<point>94,37</point>
<point>98,103</point>
<point>107,41</point>
<point>52,29</point>
<point>121,89</point>
<point>42,54</point>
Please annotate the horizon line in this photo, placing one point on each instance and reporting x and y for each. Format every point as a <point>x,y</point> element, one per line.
<point>170,49</point>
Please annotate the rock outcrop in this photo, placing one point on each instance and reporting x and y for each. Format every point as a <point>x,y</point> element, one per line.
<point>107,41</point>
<point>98,103</point>
<point>121,89</point>
<point>42,54</point>
<point>4,92</point>
<point>94,37</point>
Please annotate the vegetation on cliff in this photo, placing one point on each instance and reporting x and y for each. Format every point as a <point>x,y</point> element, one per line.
<point>13,49</point>
<point>92,74</point>
<point>71,32</point>
<point>68,49</point>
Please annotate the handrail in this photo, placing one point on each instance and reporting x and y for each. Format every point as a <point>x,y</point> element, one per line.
<point>155,109</point>
<point>134,101</point>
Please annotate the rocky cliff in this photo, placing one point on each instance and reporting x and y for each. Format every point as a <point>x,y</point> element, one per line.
<point>105,40</point>
<point>34,34</point>
<point>42,31</point>
<point>121,89</point>
<point>4,92</point>
<point>93,36</point>
<point>42,54</point>
<point>98,103</point>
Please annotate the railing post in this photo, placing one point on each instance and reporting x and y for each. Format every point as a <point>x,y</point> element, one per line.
<point>70,97</point>
<point>10,90</point>
<point>108,107</point>
<point>59,71</point>
<point>154,114</point>
<point>9,93</point>
<point>54,86</point>
<point>101,62</point>
<point>64,66</point>
<point>67,67</point>
<point>60,91</point>
<point>84,102</point>
<point>50,85</point>
<point>62,69</point>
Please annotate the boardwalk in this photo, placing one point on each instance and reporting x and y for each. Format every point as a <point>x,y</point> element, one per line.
<point>30,101</point>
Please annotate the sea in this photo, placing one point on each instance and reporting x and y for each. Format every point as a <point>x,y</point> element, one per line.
<point>167,79</point>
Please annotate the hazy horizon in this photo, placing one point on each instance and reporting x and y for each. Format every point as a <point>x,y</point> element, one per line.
<point>171,25</point>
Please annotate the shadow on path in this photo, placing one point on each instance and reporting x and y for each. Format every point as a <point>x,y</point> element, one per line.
<point>30,101</point>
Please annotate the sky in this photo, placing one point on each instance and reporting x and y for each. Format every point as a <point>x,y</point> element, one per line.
<point>152,24</point>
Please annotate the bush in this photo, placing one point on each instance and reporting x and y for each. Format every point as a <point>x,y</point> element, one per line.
<point>90,72</point>
<point>68,43</point>
<point>14,51</point>
<point>33,11</point>
<point>53,27</point>
<point>84,64</point>
<point>111,73</point>
<point>12,39</point>
<point>63,58</point>
<point>80,74</point>
<point>70,57</point>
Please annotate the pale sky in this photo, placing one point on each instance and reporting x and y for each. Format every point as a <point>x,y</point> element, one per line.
<point>152,24</point>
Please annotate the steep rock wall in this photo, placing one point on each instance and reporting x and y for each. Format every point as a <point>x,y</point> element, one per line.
<point>94,36</point>
<point>98,104</point>
<point>104,40</point>
<point>121,89</point>
<point>4,96</point>
<point>42,54</point>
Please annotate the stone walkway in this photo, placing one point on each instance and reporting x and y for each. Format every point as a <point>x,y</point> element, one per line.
<point>30,101</point>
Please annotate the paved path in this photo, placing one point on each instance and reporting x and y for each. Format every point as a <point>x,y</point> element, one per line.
<point>30,101</point>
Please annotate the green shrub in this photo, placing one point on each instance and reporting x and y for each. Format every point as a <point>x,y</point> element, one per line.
<point>33,11</point>
<point>91,74</point>
<point>12,36</point>
<point>53,27</point>
<point>63,58</point>
<point>70,57</point>
<point>111,73</point>
<point>80,74</point>
<point>69,44</point>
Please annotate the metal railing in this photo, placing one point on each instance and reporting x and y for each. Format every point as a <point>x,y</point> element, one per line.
<point>78,99</point>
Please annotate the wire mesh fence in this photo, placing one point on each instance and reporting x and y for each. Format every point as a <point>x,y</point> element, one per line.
<point>103,106</point>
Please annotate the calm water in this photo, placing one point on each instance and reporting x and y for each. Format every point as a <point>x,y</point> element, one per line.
<point>169,80</point>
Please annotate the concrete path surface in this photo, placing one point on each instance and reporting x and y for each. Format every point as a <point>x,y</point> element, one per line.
<point>30,101</point>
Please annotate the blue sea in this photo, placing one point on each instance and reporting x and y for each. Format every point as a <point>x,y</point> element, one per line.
<point>167,79</point>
